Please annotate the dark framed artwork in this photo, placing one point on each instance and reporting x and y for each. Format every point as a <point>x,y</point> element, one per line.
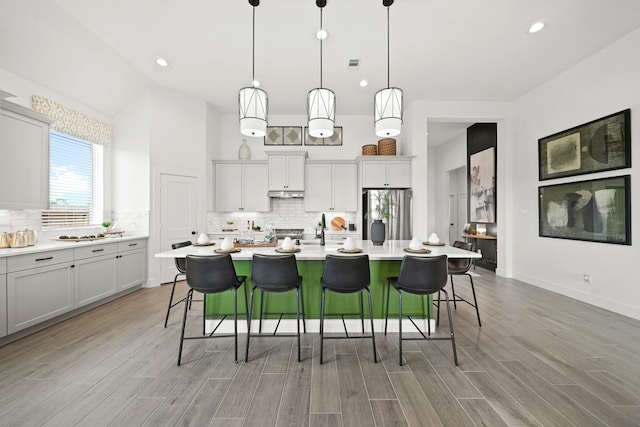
<point>335,139</point>
<point>482,186</point>
<point>600,145</point>
<point>597,210</point>
<point>283,135</point>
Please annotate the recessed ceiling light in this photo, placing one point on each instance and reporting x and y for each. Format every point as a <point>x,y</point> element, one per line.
<point>322,34</point>
<point>363,83</point>
<point>162,62</point>
<point>536,27</point>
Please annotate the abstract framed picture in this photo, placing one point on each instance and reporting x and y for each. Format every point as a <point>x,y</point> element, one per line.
<point>600,145</point>
<point>597,210</point>
<point>335,139</point>
<point>482,186</point>
<point>283,135</point>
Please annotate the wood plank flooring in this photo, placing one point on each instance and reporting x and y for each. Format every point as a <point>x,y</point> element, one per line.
<point>539,359</point>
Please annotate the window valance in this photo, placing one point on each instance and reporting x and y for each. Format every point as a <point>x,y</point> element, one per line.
<point>73,122</point>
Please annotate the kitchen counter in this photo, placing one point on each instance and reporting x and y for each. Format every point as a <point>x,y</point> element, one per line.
<point>310,250</point>
<point>52,245</point>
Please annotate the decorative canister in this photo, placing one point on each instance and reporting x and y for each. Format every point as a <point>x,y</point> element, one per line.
<point>378,231</point>
<point>370,150</point>
<point>387,147</point>
<point>244,153</point>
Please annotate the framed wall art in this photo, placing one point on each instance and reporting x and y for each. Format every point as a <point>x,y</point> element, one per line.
<point>600,145</point>
<point>335,139</point>
<point>482,186</point>
<point>283,135</point>
<point>597,210</point>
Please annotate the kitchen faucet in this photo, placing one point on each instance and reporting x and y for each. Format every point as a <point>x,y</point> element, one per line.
<point>323,225</point>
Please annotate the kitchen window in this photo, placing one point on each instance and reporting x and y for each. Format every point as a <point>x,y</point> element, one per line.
<point>76,196</point>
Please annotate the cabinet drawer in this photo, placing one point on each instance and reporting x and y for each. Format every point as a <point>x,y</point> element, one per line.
<point>95,250</point>
<point>40,259</point>
<point>132,244</point>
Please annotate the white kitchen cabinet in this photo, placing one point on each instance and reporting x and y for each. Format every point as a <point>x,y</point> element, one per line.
<point>241,186</point>
<point>24,163</point>
<point>331,187</point>
<point>286,171</point>
<point>94,273</point>
<point>39,287</point>
<point>131,264</point>
<point>3,297</point>
<point>390,172</point>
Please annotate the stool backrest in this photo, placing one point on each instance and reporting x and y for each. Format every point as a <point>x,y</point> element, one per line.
<point>460,265</point>
<point>423,275</point>
<point>211,274</point>
<point>346,273</point>
<point>275,272</point>
<point>181,263</point>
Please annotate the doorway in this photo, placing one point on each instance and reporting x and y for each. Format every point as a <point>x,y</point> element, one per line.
<point>178,216</point>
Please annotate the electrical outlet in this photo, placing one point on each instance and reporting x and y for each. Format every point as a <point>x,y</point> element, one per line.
<point>587,279</point>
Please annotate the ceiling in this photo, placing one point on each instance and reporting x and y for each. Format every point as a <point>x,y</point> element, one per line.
<point>102,53</point>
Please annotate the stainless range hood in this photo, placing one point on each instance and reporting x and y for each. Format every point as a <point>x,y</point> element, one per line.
<point>286,194</point>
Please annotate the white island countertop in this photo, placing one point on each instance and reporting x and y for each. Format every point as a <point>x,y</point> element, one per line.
<point>390,250</point>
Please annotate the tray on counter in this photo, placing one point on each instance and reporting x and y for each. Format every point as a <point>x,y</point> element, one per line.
<point>85,239</point>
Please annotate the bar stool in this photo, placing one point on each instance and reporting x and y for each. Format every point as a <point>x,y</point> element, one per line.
<point>461,267</point>
<point>275,273</point>
<point>421,276</point>
<point>182,270</point>
<point>212,275</point>
<point>346,275</point>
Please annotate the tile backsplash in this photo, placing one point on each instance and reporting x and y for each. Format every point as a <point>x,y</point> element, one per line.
<point>132,222</point>
<point>285,213</point>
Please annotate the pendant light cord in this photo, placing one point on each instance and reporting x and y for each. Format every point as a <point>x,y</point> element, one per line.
<point>321,49</point>
<point>388,50</point>
<point>253,49</point>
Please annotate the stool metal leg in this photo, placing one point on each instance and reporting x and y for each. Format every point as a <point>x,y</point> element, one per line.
<point>304,325</point>
<point>246,351</point>
<point>184,321</point>
<point>173,290</point>
<point>453,339</point>
<point>400,324</point>
<point>386,316</point>
<point>373,335</point>
<point>235,321</point>
<point>298,319</point>
<point>322,325</point>
<point>438,318</point>
<point>362,310</point>
<point>475,301</point>
<point>453,293</point>
<point>261,303</point>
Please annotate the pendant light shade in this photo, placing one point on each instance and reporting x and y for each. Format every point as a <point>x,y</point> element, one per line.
<point>321,102</point>
<point>388,111</point>
<point>387,103</point>
<point>253,103</point>
<point>321,105</point>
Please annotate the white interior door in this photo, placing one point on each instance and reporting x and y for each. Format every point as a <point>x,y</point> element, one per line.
<point>462,214</point>
<point>453,218</point>
<point>178,216</point>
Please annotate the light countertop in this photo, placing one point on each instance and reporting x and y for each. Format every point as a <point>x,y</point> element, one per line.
<point>52,245</point>
<point>390,250</point>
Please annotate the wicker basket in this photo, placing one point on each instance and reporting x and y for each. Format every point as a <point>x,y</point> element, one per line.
<point>387,147</point>
<point>369,150</point>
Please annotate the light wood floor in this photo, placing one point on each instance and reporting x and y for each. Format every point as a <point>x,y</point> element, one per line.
<point>539,359</point>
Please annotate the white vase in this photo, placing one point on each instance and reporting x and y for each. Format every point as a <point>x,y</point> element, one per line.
<point>244,153</point>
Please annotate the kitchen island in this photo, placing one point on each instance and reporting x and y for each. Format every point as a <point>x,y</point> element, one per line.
<point>384,260</point>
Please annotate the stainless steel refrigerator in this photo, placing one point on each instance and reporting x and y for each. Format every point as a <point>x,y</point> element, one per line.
<point>393,207</point>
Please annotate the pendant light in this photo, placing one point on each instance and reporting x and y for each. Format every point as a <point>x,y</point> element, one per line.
<point>321,102</point>
<point>387,108</point>
<point>253,102</point>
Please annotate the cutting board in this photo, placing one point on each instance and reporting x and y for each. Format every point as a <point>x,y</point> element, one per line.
<point>338,223</point>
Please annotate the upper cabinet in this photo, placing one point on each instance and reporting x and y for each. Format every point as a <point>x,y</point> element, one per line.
<point>24,163</point>
<point>331,187</point>
<point>286,171</point>
<point>241,186</point>
<point>386,172</point>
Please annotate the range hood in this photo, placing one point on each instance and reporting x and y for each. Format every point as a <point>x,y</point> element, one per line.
<point>286,194</point>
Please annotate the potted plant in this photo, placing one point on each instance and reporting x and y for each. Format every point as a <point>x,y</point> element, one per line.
<point>106,224</point>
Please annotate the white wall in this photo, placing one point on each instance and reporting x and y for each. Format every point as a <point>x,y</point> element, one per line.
<point>605,83</point>
<point>357,131</point>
